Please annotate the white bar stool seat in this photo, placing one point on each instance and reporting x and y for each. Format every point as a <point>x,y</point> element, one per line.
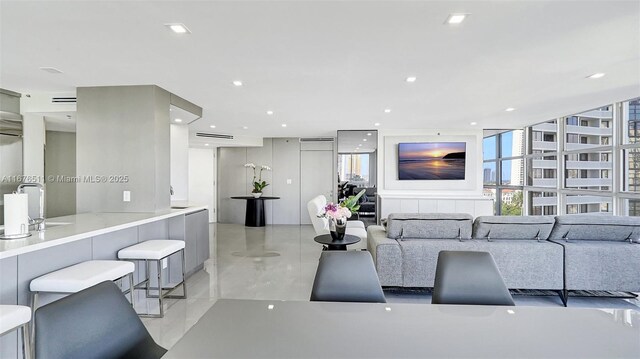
<point>156,250</point>
<point>14,317</point>
<point>81,276</point>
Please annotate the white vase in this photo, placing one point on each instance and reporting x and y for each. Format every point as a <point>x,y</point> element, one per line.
<point>257,195</point>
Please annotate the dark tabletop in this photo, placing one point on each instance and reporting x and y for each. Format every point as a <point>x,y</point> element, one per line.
<point>251,197</point>
<point>327,239</point>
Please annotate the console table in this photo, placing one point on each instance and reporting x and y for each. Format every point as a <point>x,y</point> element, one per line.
<point>254,216</point>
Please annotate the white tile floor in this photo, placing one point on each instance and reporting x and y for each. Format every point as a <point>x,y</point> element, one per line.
<point>279,262</point>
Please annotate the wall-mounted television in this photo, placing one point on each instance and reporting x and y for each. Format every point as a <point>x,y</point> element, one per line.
<point>431,160</point>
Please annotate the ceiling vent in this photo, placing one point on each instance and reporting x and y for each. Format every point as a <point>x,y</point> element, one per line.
<point>214,135</point>
<point>316,139</point>
<point>63,100</point>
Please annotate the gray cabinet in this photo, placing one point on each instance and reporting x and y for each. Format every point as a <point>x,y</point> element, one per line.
<point>196,240</point>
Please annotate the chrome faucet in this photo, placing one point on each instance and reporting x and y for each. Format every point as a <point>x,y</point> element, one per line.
<point>37,222</point>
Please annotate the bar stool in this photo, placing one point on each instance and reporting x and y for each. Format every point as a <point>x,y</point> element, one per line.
<point>156,250</point>
<point>78,277</point>
<point>14,317</point>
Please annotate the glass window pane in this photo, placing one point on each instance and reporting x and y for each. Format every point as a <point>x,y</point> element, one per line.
<point>631,168</point>
<point>631,121</point>
<point>544,137</point>
<point>589,129</point>
<point>489,148</point>
<point>512,172</point>
<point>490,193</point>
<point>542,171</point>
<point>543,203</point>
<point>354,168</point>
<point>512,144</point>
<point>588,204</point>
<point>489,173</point>
<point>589,170</point>
<point>631,207</point>
<point>511,202</point>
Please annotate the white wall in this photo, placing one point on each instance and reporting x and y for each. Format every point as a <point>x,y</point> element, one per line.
<point>439,196</point>
<point>389,184</point>
<point>202,174</point>
<point>180,162</point>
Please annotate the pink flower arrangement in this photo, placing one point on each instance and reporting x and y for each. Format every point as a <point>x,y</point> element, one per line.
<point>335,211</point>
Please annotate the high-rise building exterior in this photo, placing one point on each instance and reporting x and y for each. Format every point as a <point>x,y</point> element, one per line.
<point>586,167</point>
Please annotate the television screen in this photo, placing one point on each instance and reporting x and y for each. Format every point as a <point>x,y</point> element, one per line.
<point>431,161</point>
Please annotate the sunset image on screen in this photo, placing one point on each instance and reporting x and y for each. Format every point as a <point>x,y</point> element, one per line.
<point>431,161</point>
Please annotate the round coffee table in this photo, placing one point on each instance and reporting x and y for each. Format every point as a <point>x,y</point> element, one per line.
<point>333,245</point>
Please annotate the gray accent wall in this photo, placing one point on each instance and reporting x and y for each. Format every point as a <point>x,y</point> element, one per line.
<point>60,160</point>
<point>123,131</point>
<point>283,156</point>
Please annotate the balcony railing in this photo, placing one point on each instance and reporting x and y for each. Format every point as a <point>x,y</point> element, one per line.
<point>588,182</point>
<point>544,145</point>
<point>587,130</point>
<point>588,165</point>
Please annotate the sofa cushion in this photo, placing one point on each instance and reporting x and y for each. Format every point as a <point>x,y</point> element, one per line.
<point>596,228</point>
<point>405,226</point>
<point>513,227</point>
<point>599,265</point>
<point>523,264</point>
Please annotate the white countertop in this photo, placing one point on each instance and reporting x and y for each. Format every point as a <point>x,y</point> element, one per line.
<point>278,329</point>
<point>67,229</point>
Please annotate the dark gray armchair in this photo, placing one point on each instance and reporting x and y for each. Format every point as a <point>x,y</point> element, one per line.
<point>97,322</point>
<point>464,277</point>
<point>347,276</point>
<point>368,201</point>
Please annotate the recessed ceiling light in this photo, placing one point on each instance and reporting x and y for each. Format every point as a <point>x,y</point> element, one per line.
<point>359,144</point>
<point>284,125</point>
<point>270,306</point>
<point>596,75</point>
<point>509,109</point>
<point>387,110</point>
<point>411,79</point>
<point>454,19</point>
<point>473,123</point>
<point>51,70</point>
<point>245,127</point>
<point>178,28</point>
<point>237,83</point>
<point>364,140</point>
<point>376,124</point>
<point>388,309</point>
<point>368,133</point>
<point>269,112</point>
<point>206,144</point>
<point>213,126</point>
<point>178,120</point>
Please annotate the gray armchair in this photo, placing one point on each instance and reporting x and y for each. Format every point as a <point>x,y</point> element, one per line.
<point>97,322</point>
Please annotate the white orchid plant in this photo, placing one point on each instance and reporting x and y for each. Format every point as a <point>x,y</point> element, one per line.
<point>258,183</point>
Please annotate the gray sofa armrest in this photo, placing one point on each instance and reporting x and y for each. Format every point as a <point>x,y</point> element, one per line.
<point>387,256</point>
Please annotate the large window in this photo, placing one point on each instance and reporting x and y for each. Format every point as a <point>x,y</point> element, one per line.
<point>587,162</point>
<point>354,167</point>
<point>503,171</point>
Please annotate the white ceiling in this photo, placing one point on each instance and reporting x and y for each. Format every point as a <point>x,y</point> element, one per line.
<point>323,66</point>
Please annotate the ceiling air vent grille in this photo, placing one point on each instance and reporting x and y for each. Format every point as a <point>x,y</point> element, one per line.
<point>63,100</point>
<point>214,135</point>
<point>316,139</point>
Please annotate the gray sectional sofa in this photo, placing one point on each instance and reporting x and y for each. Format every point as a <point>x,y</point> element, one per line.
<point>533,252</point>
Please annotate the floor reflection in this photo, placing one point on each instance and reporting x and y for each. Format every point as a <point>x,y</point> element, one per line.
<point>255,239</point>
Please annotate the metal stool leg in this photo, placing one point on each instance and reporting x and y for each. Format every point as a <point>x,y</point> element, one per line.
<point>184,282</point>
<point>26,343</point>
<point>34,303</point>
<point>131,286</point>
<point>148,275</point>
<point>160,292</point>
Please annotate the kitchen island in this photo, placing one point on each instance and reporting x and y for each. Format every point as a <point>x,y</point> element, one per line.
<point>73,239</point>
